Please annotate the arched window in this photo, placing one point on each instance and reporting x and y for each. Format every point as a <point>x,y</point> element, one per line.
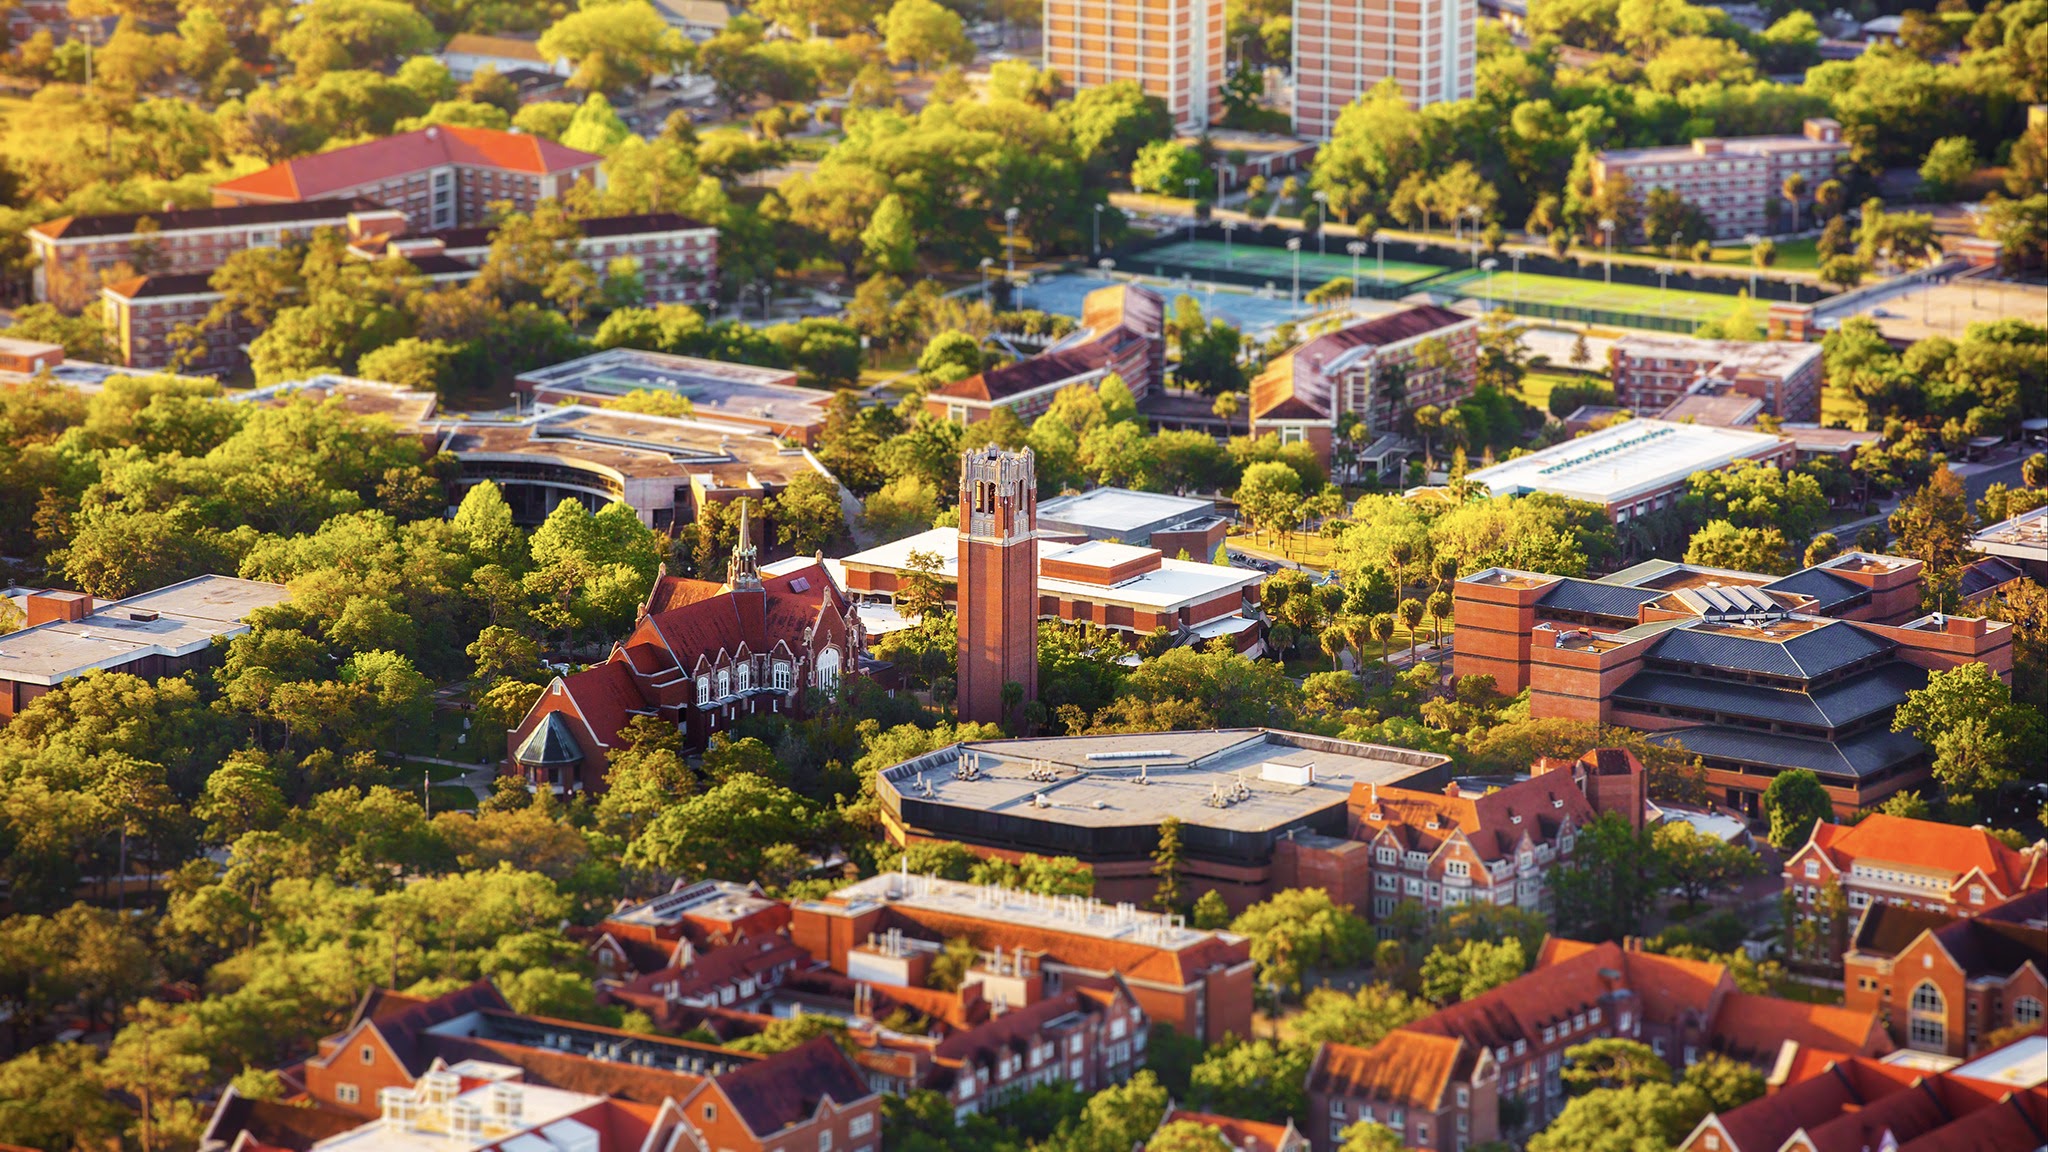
<point>704,689</point>
<point>1928,1018</point>
<point>724,683</point>
<point>782,675</point>
<point>828,669</point>
<point>2026,1010</point>
<point>746,676</point>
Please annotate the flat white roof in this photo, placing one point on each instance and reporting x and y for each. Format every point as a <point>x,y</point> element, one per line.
<point>188,617</point>
<point>1624,460</point>
<point>1173,584</point>
<point>1120,510</point>
<point>2021,1064</point>
<point>546,1119</point>
<point>1076,915</point>
<point>2024,537</point>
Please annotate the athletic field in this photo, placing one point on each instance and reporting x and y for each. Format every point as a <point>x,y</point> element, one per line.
<point>1238,308</point>
<point>1276,264</point>
<point>1507,289</point>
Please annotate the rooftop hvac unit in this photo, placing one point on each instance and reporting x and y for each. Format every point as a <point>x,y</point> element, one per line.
<point>465,1120</point>
<point>395,1108</point>
<point>508,1103</point>
<point>440,1087</point>
<point>571,1136</point>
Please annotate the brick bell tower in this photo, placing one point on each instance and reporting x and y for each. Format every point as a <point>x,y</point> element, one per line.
<point>998,571</point>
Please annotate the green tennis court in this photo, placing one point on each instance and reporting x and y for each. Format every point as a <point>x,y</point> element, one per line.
<point>1257,260</point>
<point>1507,289</point>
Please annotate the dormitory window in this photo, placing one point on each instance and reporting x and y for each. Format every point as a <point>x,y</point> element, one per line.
<point>746,677</point>
<point>347,1093</point>
<point>2026,1010</point>
<point>724,683</point>
<point>1929,1027</point>
<point>704,689</point>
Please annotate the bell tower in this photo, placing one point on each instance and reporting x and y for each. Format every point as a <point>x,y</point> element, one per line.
<point>998,573</point>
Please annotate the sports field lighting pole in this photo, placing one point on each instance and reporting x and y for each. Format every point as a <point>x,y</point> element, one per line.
<point>1229,226</point>
<point>1095,236</point>
<point>1487,266</point>
<point>1190,182</point>
<point>1322,200</point>
<point>1752,240</point>
<point>1515,285</point>
<point>1663,272</point>
<point>987,262</point>
<point>1357,249</point>
<point>1294,246</point>
<point>1010,215</point>
<point>1472,210</point>
<point>1607,230</point>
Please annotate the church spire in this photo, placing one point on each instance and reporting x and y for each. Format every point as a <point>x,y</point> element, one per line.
<point>742,575</point>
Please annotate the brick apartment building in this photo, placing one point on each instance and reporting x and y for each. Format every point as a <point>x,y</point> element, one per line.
<point>1368,369</point>
<point>76,250</point>
<point>1732,181</point>
<point>1173,49</point>
<point>883,931</point>
<point>1652,373</point>
<point>1122,333</point>
<point>1754,674</point>
<point>1819,1101</point>
<point>470,1074</point>
<point>1342,51</point>
<point>446,176</point>
<point>674,257</point>
<point>1512,1041</point>
<point>690,918</point>
<point>702,656</point>
<point>1444,850</point>
<point>1921,865</point>
<point>1944,983</point>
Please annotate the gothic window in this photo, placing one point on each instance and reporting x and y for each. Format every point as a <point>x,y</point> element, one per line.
<point>724,683</point>
<point>782,675</point>
<point>704,689</point>
<point>1928,1028</point>
<point>746,676</point>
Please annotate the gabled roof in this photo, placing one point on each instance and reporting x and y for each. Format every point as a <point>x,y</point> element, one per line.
<point>1492,822</point>
<point>787,1089</point>
<point>1869,753</point>
<point>1828,590</point>
<point>1414,1069</point>
<point>1298,384</point>
<point>1887,929</point>
<point>1112,320</point>
<point>1835,705</point>
<point>1753,1028</point>
<point>1928,845</point>
<point>272,1124</point>
<point>503,47</point>
<point>326,173</point>
<point>2001,941</point>
<point>1242,1135</point>
<point>1597,598</point>
<point>1764,1124</point>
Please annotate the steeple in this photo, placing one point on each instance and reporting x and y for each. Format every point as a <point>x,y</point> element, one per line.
<point>742,575</point>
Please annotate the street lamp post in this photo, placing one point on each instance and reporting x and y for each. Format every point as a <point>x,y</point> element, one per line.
<point>1607,231</point>
<point>1487,266</point>
<point>1473,211</point>
<point>1322,200</point>
<point>1010,215</point>
<point>1752,240</point>
<point>987,262</point>
<point>1095,236</point>
<point>1357,249</point>
<point>1677,238</point>
<point>1294,246</point>
<point>1229,226</point>
<point>1106,264</point>
<point>1190,183</point>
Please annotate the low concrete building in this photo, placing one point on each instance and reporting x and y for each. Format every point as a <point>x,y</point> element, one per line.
<point>766,399</point>
<point>153,634</point>
<point>1171,524</point>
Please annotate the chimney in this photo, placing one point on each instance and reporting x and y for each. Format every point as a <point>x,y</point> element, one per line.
<point>1451,790</point>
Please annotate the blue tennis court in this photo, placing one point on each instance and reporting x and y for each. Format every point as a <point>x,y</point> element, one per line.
<point>1245,311</point>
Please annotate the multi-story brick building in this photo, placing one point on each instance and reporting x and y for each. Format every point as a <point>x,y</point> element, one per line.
<point>1122,333</point>
<point>1820,1100</point>
<point>1683,1009</point>
<point>1437,1092</point>
<point>1731,181</point>
<point>1651,373</point>
<point>1173,49</point>
<point>665,931</point>
<point>1456,847</point>
<point>1372,370</point>
<point>1754,674</point>
<point>1944,983</point>
<point>1914,864</point>
<point>76,250</point>
<point>446,176</point>
<point>674,257</point>
<point>1343,50</point>
<point>885,930</point>
<point>702,657</point>
<point>166,321</point>
<point>1240,1135</point>
<point>1633,468</point>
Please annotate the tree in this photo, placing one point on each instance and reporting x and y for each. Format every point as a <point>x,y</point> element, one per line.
<point>1723,545</point>
<point>1164,167</point>
<point>1227,406</point>
<point>1752,495</point>
<point>1982,739</point>
<point>1166,864</point>
<point>596,127</point>
<point>1473,968</point>
<point>1362,1018</point>
<point>889,240</point>
<point>1697,863</point>
<point>1256,1080</point>
<point>614,46</point>
<point>807,514</point>
<point>725,831</point>
<point>1613,1062</point>
<point>422,364</point>
<point>1794,802</point>
<point>1607,887</point>
<point>1844,271</point>
<point>1298,929</point>
<point>1211,911</point>
<point>1410,611</point>
<point>1794,190</point>
<point>354,34</point>
<point>1117,1118</point>
<point>1187,1136</point>
<point>54,1097</point>
<point>1366,1136</point>
<point>1270,496</point>
<point>1952,160</point>
<point>1933,525</point>
<point>925,35</point>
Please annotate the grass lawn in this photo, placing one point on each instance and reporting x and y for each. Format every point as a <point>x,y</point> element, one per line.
<point>1793,256</point>
<point>1304,548</point>
<point>1508,288</point>
<point>1536,386</point>
<point>452,798</point>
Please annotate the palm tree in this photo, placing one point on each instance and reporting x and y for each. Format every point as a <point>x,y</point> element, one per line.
<point>1445,569</point>
<point>1334,642</point>
<point>1399,555</point>
<point>1382,630</point>
<point>1794,190</point>
<point>1439,609</point>
<point>1228,406</point>
<point>1411,618</point>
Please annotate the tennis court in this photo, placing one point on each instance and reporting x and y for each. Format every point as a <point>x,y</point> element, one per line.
<point>1277,263</point>
<point>1243,310</point>
<point>1508,289</point>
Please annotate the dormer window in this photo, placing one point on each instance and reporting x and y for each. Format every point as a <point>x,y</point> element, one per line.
<point>746,676</point>
<point>1976,893</point>
<point>1813,869</point>
<point>704,689</point>
<point>724,683</point>
<point>782,676</point>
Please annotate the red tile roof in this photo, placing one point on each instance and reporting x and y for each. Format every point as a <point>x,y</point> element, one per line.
<point>787,1089</point>
<point>1410,1068</point>
<point>1933,846</point>
<point>1764,1124</point>
<point>327,173</point>
<point>1294,386</point>
<point>1243,1135</point>
<point>1113,319</point>
<point>1753,1028</point>
<point>1493,822</point>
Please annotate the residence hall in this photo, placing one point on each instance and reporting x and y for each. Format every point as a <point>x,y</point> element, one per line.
<point>1733,181</point>
<point>1778,378</point>
<point>1174,50</point>
<point>1122,333</point>
<point>1753,674</point>
<point>72,251</point>
<point>1948,984</point>
<point>1429,48</point>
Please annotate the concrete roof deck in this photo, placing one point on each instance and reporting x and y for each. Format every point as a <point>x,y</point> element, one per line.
<point>635,445</point>
<point>188,617</point>
<point>713,386</point>
<point>1172,584</point>
<point>1121,509</point>
<point>1077,915</point>
<point>1140,779</point>
<point>2024,537</point>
